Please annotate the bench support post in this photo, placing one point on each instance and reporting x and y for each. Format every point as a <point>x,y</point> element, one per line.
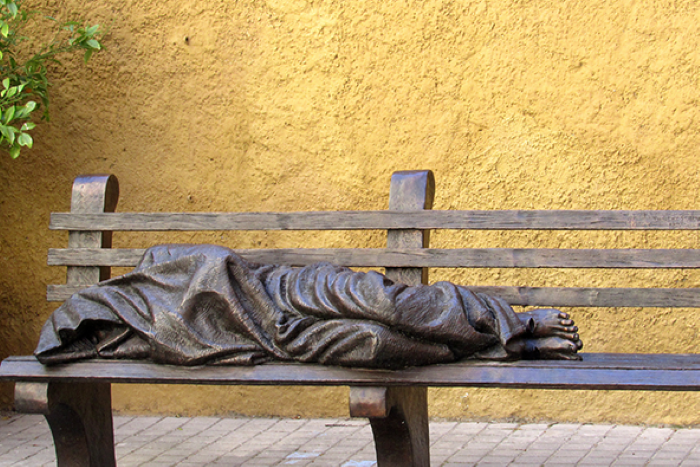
<point>92,194</point>
<point>399,420</point>
<point>399,415</point>
<point>80,418</point>
<point>79,414</point>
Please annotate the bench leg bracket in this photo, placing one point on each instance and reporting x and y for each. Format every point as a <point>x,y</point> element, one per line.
<point>399,420</point>
<point>80,418</point>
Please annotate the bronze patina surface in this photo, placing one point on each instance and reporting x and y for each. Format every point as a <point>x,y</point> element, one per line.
<point>195,304</point>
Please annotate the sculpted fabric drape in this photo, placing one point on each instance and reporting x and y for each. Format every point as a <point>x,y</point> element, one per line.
<point>197,304</point>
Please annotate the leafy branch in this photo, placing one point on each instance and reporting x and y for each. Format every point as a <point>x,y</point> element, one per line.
<point>25,84</point>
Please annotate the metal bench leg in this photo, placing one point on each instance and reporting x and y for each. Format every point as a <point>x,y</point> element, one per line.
<point>80,418</point>
<point>399,420</point>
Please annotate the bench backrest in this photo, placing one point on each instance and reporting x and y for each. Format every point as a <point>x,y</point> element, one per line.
<point>409,221</point>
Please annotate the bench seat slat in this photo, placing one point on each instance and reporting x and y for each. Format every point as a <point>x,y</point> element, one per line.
<point>417,257</point>
<point>539,296</point>
<point>382,220</point>
<point>596,371</point>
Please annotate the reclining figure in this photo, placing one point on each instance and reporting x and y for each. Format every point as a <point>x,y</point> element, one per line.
<point>203,304</point>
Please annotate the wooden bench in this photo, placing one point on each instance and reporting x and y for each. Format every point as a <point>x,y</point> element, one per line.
<point>75,398</point>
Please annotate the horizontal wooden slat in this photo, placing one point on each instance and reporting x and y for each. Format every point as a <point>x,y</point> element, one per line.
<point>540,296</point>
<point>354,220</point>
<point>596,371</point>
<point>417,257</point>
<point>595,296</point>
<point>95,256</point>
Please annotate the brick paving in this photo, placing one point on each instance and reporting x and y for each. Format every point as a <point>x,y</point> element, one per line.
<point>25,440</point>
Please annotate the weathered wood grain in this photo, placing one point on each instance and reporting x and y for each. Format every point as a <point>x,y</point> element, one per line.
<point>417,257</point>
<point>665,372</point>
<point>382,220</point>
<point>595,296</point>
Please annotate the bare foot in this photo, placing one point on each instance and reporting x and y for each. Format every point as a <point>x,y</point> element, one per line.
<point>552,348</point>
<point>548,322</point>
<point>551,334</point>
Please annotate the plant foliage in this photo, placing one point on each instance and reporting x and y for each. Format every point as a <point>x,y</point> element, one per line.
<point>25,84</point>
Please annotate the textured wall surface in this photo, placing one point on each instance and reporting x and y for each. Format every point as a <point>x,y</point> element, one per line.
<point>299,105</point>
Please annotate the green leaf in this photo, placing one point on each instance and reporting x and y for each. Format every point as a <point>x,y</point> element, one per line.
<point>26,77</point>
<point>8,132</point>
<point>10,114</point>
<point>25,140</point>
<point>5,132</point>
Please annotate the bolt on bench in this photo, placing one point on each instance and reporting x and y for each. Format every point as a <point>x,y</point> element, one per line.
<point>75,398</point>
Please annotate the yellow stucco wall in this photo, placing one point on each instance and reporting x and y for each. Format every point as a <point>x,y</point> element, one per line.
<point>300,105</point>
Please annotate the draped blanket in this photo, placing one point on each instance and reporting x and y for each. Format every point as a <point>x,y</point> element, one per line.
<point>203,304</point>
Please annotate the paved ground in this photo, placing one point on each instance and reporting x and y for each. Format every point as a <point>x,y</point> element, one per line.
<point>169,441</point>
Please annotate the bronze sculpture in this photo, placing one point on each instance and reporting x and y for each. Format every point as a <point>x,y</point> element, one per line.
<point>203,304</point>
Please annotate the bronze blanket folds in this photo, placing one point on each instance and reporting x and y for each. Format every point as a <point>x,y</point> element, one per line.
<point>203,304</point>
